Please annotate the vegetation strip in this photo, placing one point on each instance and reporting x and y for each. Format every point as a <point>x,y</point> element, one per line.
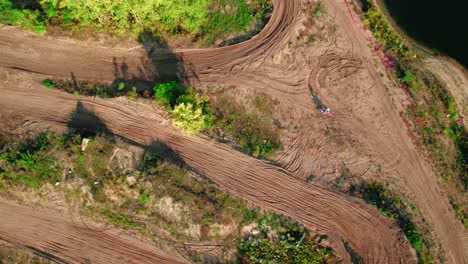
<point>206,20</point>
<point>253,130</point>
<point>156,197</point>
<point>429,104</point>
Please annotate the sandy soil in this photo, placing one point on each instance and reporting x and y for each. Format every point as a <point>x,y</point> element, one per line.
<point>62,240</point>
<point>367,133</point>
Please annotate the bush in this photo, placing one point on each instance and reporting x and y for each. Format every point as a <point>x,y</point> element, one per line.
<point>167,93</point>
<point>10,14</point>
<point>48,83</point>
<point>190,118</point>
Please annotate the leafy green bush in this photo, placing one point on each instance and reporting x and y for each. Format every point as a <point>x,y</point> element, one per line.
<point>10,14</point>
<point>48,83</point>
<point>190,118</point>
<point>190,109</point>
<point>168,92</point>
<point>136,16</point>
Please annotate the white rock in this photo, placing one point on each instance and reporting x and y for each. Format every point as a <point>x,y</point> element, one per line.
<point>84,144</point>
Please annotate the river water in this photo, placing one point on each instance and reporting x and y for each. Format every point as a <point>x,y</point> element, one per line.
<point>441,26</point>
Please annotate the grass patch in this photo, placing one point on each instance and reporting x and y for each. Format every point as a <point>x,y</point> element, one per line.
<point>30,162</point>
<point>232,17</point>
<point>252,129</point>
<point>394,207</point>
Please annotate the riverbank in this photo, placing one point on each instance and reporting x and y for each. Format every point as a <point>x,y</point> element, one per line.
<point>448,69</point>
<point>429,26</point>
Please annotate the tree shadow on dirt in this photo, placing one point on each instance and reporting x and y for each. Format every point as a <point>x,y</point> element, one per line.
<point>85,122</point>
<point>161,64</point>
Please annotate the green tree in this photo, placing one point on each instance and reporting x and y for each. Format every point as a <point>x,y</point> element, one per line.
<point>167,93</point>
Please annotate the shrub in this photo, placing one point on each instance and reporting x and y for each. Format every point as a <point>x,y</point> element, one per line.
<point>167,93</point>
<point>281,241</point>
<point>190,118</point>
<point>132,94</point>
<point>48,83</point>
<point>10,14</point>
<point>121,86</point>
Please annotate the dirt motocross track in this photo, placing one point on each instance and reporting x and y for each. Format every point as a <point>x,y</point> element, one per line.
<point>370,137</point>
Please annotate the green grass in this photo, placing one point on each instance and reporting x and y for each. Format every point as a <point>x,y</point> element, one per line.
<point>30,162</point>
<point>208,18</point>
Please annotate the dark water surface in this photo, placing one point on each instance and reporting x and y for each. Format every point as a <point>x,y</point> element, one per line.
<point>441,26</point>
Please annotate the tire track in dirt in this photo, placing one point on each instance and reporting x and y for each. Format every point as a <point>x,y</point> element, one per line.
<point>342,218</point>
<point>57,238</point>
<point>346,221</point>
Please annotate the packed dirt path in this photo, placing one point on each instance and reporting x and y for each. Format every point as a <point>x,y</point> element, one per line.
<point>349,224</point>
<point>62,241</point>
<point>343,73</point>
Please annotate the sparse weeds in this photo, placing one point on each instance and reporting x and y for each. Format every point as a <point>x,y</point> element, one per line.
<point>253,130</point>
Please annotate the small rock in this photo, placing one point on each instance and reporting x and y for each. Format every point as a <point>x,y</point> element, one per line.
<point>131,180</point>
<point>84,144</point>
